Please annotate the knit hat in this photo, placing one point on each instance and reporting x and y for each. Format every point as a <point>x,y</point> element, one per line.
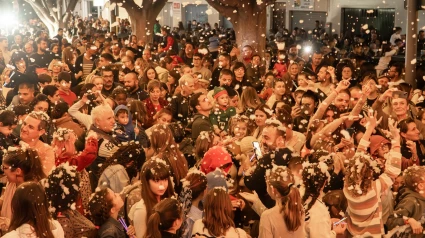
<point>64,76</point>
<point>376,141</point>
<point>216,157</point>
<point>216,179</point>
<point>219,91</point>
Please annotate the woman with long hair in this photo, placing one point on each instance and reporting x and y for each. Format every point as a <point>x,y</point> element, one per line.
<point>194,189</point>
<point>19,166</point>
<point>218,217</point>
<point>124,165</point>
<point>154,103</point>
<point>412,148</point>
<point>240,82</point>
<point>148,75</point>
<point>166,219</point>
<point>286,218</point>
<point>248,102</point>
<point>31,217</point>
<point>262,113</point>
<point>64,202</point>
<point>164,147</point>
<point>162,117</point>
<point>156,186</point>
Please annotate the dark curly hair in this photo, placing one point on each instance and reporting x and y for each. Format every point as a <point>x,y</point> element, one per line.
<point>100,206</point>
<point>62,187</point>
<point>126,154</point>
<point>314,179</point>
<point>26,160</point>
<point>359,174</point>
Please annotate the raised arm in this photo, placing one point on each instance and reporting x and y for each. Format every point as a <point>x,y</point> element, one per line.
<point>325,104</point>
<point>371,123</point>
<point>329,128</point>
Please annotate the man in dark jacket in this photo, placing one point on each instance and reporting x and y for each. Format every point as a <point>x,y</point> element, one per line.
<point>179,104</point>
<point>201,122</point>
<point>274,141</point>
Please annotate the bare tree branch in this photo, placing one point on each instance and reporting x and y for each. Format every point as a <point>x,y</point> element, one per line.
<point>227,11</point>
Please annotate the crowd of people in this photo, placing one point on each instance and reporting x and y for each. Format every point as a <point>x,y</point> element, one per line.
<point>194,136</point>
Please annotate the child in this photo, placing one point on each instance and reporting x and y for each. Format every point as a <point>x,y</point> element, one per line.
<point>267,91</point>
<point>286,218</point>
<point>280,68</point>
<point>222,112</point>
<point>279,94</point>
<point>363,188</point>
<point>410,210</point>
<point>304,83</point>
<point>166,220</point>
<point>64,80</point>
<point>104,208</point>
<point>124,129</point>
<point>318,221</point>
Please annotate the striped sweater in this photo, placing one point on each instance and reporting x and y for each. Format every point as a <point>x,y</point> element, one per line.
<point>365,212</point>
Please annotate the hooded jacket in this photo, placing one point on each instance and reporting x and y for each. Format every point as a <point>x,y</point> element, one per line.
<point>127,133</point>
<point>412,205</point>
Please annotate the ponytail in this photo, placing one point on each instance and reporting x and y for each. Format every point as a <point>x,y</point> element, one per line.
<point>282,180</point>
<point>165,213</point>
<point>153,224</point>
<point>292,209</point>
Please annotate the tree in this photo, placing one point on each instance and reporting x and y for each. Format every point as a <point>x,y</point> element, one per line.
<point>249,19</point>
<point>142,17</point>
<point>53,13</point>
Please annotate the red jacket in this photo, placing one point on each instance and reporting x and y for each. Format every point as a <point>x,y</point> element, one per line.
<point>151,111</point>
<point>85,158</point>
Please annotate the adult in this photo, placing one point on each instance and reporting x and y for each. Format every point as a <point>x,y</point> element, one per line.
<point>103,125</point>
<point>279,153</point>
<point>85,62</point>
<point>42,58</point>
<point>4,48</point>
<point>197,67</point>
<point>108,81</point>
<point>394,74</point>
<point>131,83</point>
<point>154,103</point>
<point>201,106</point>
<point>223,63</point>
<point>33,127</point>
<point>179,104</point>
<point>313,66</point>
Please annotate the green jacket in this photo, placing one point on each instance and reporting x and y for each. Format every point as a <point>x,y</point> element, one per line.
<point>411,205</point>
<point>221,118</point>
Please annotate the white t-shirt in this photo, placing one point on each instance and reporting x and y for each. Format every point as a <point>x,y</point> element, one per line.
<point>25,231</point>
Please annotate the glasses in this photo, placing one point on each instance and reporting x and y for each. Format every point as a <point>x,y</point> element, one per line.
<point>3,168</point>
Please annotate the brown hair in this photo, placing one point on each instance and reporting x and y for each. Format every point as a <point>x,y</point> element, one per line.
<point>218,212</point>
<point>100,206</point>
<point>236,119</point>
<point>166,212</point>
<point>153,84</point>
<point>197,183</point>
<point>249,99</point>
<point>203,143</point>
<point>67,55</point>
<point>154,169</point>
<point>359,174</point>
<point>282,180</point>
<point>30,206</point>
<point>164,146</point>
<point>138,112</point>
<point>413,176</point>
